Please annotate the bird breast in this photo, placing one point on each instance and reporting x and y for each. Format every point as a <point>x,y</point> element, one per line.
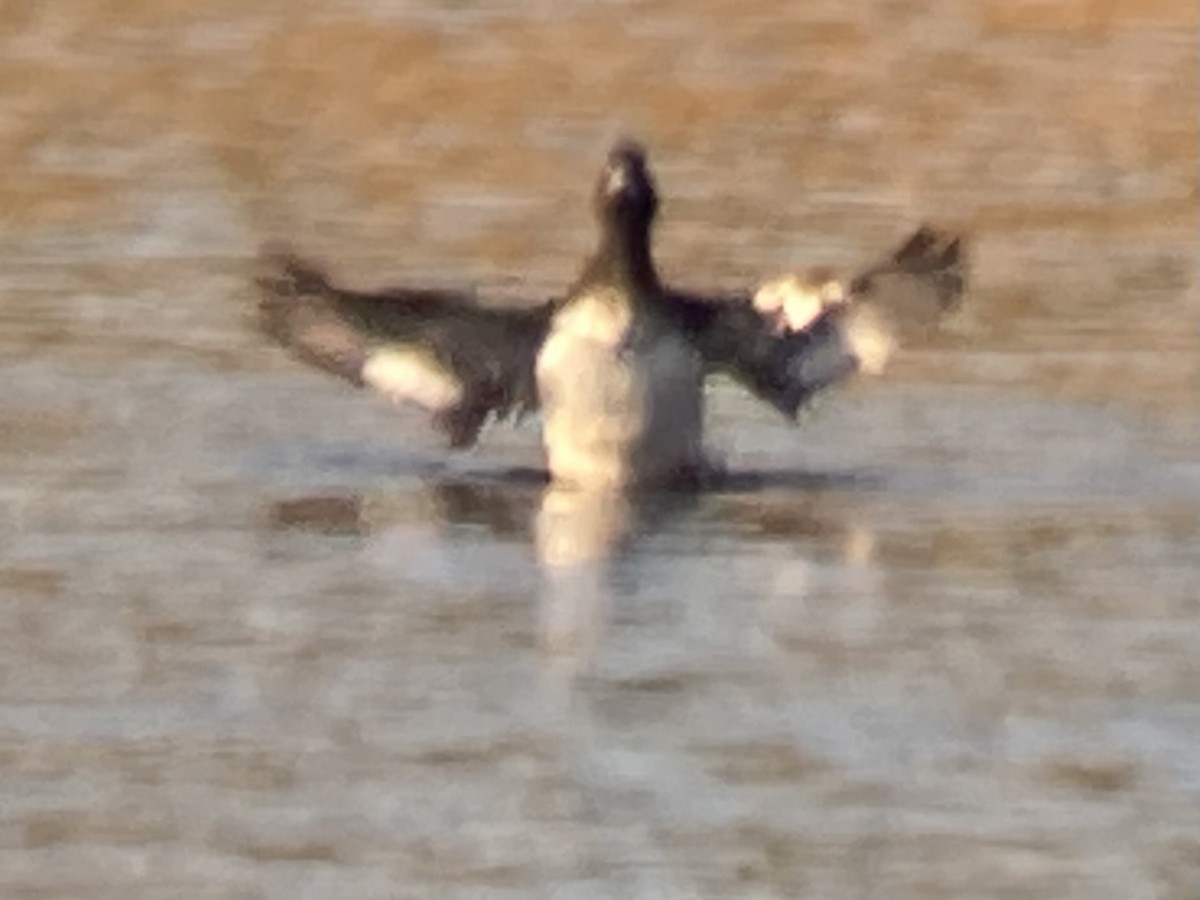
<point>621,394</point>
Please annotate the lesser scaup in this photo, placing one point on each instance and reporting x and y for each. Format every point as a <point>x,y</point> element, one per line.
<point>617,365</point>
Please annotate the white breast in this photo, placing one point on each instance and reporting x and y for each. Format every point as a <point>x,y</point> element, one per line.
<point>621,396</point>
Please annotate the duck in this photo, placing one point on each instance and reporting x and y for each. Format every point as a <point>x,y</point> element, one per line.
<point>617,365</point>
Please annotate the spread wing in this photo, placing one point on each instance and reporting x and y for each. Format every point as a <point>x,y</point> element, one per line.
<point>854,328</point>
<point>436,348</point>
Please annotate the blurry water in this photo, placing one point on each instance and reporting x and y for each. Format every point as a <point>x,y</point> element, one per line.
<point>260,637</point>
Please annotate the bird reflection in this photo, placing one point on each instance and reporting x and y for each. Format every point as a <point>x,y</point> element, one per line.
<point>582,536</point>
<point>577,527</point>
<point>577,534</point>
<point>584,539</point>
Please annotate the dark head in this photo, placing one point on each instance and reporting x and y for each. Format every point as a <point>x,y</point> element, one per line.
<point>625,204</point>
<point>625,195</point>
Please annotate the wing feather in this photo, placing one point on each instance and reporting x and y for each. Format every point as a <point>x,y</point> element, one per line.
<point>883,306</point>
<point>462,362</point>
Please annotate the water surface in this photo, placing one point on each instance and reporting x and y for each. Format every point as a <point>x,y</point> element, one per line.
<point>261,637</point>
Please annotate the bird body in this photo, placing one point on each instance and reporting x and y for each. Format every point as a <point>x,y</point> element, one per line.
<point>618,364</point>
